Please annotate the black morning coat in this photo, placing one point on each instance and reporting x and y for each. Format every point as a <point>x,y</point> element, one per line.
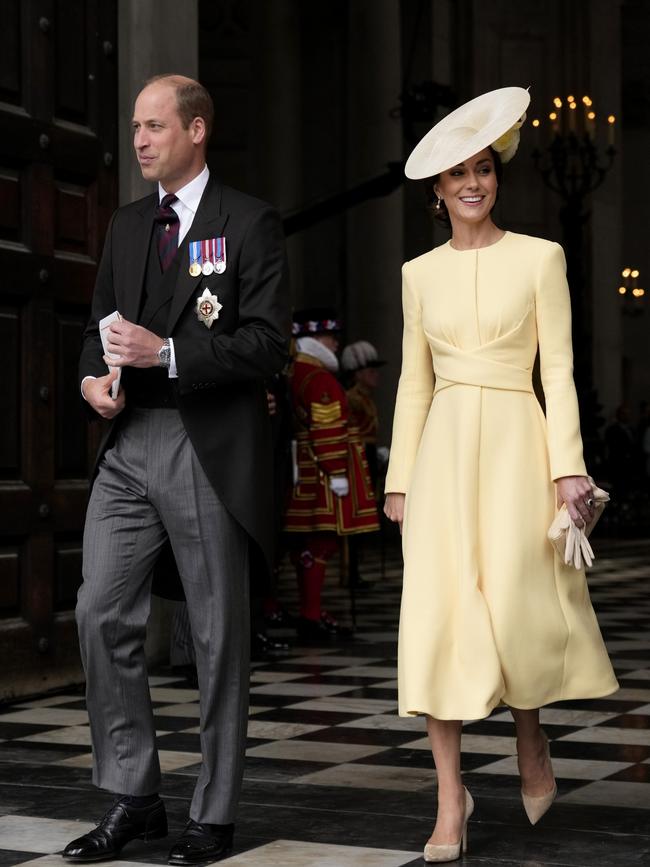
<point>219,391</point>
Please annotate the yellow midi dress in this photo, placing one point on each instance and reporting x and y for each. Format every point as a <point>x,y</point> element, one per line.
<point>489,613</point>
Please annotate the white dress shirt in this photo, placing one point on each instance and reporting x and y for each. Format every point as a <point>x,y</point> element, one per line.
<point>187,201</point>
<point>186,206</point>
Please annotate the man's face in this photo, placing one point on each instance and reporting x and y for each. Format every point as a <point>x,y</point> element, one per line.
<point>329,339</point>
<point>166,152</point>
<point>368,377</point>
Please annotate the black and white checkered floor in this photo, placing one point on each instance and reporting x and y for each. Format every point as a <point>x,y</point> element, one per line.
<point>335,778</point>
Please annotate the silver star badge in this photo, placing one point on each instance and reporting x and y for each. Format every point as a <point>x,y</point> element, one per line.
<point>207,308</point>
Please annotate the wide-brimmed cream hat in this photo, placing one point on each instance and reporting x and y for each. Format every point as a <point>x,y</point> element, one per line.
<point>492,119</point>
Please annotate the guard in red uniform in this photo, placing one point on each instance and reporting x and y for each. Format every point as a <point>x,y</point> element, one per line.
<point>361,364</point>
<point>333,494</point>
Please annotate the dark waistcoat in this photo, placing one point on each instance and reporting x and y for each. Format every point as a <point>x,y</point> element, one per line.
<point>151,386</point>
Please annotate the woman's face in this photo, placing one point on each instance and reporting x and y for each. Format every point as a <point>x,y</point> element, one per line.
<point>469,189</point>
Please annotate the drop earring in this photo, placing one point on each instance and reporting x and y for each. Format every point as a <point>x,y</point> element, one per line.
<point>438,203</point>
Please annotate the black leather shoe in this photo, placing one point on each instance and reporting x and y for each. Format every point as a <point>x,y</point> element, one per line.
<point>201,842</point>
<point>334,628</point>
<point>120,825</point>
<point>280,619</point>
<point>263,647</point>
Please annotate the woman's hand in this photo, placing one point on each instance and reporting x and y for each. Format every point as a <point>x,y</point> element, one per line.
<point>575,492</point>
<point>394,508</point>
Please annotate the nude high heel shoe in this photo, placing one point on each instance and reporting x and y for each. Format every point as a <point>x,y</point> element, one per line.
<point>451,851</point>
<point>536,806</point>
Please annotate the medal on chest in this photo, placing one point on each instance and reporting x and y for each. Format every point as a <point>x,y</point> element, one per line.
<point>207,257</point>
<point>207,249</point>
<point>220,255</point>
<point>196,258</point>
<point>207,308</point>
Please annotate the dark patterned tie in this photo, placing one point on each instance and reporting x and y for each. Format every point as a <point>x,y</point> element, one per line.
<point>167,226</point>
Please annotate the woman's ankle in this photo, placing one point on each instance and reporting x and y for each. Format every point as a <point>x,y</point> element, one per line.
<point>451,793</point>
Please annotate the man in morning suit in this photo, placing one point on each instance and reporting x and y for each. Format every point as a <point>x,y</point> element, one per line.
<point>188,456</point>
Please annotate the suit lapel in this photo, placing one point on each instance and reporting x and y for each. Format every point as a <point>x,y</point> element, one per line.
<point>209,222</point>
<point>138,253</point>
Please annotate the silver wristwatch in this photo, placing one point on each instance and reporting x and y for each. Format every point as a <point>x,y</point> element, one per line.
<point>165,354</point>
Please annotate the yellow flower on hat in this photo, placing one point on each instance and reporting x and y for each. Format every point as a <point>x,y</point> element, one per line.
<point>506,145</point>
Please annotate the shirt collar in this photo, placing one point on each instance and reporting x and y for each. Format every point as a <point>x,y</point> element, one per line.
<point>190,194</point>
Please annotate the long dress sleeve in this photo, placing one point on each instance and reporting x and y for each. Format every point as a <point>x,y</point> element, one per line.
<point>553,314</point>
<point>414,392</point>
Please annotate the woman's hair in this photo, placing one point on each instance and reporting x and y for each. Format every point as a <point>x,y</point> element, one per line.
<point>441,214</point>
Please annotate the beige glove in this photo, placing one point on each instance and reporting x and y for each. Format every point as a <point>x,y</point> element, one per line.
<point>571,542</point>
<point>577,547</point>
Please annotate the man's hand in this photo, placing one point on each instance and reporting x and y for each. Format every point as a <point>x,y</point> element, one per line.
<point>98,394</point>
<point>133,345</point>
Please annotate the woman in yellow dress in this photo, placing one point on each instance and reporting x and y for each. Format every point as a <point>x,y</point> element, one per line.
<point>490,615</point>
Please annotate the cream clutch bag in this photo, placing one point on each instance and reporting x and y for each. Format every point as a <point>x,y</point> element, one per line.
<point>571,542</point>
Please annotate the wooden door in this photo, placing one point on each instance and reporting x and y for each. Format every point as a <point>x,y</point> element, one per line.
<point>58,187</point>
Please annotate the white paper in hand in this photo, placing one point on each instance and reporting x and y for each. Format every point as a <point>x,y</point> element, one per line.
<point>103,329</point>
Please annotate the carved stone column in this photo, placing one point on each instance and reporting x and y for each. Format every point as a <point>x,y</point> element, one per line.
<point>275,151</point>
<point>154,36</point>
<point>375,228</point>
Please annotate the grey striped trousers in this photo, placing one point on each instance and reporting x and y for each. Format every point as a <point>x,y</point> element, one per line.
<point>150,485</point>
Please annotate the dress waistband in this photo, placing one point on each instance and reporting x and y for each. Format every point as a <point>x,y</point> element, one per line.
<point>455,366</point>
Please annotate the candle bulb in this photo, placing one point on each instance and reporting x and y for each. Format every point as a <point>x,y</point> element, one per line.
<point>611,120</point>
<point>535,125</point>
<point>572,116</point>
<point>557,111</point>
<point>591,124</point>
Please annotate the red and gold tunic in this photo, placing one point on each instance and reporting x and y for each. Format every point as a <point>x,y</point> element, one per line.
<point>363,413</point>
<point>327,446</point>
